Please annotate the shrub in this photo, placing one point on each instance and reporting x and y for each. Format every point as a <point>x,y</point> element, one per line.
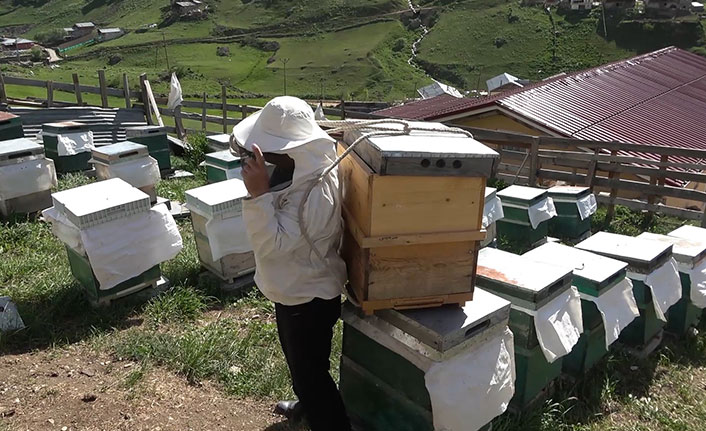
<point>399,45</point>
<point>37,54</point>
<point>50,37</point>
<point>195,152</point>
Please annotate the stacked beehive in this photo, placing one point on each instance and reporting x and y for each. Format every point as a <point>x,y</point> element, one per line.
<point>10,126</point>
<point>607,301</point>
<point>421,370</point>
<point>574,207</point>
<point>114,239</point>
<point>156,140</point>
<point>527,213</point>
<point>656,283</point>
<point>219,230</point>
<point>413,207</point>
<point>691,257</point>
<point>68,144</point>
<point>26,177</point>
<point>540,294</point>
<point>131,163</point>
<point>222,166</point>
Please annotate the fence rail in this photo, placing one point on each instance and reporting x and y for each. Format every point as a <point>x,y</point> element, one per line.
<point>641,177</point>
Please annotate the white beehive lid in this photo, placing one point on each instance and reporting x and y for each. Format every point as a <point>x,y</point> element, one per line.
<point>101,202</point>
<point>687,252</point>
<point>222,198</point>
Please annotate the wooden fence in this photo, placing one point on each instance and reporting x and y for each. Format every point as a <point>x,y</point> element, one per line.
<point>629,174</point>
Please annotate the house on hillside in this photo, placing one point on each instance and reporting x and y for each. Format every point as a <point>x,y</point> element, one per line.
<point>20,44</point>
<point>436,89</point>
<point>83,28</point>
<point>668,8</point>
<point>105,34</point>
<point>618,4</point>
<point>504,82</point>
<point>189,9</point>
<point>653,99</point>
<point>580,4</point>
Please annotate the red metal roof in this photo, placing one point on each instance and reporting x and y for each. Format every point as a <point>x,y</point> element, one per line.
<point>653,99</point>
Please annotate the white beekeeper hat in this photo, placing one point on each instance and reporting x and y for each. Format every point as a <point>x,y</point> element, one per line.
<point>284,123</point>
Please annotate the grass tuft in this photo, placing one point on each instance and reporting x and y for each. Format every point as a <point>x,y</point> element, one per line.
<point>180,304</point>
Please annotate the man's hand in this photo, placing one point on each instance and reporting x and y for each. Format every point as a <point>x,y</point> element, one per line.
<point>255,174</point>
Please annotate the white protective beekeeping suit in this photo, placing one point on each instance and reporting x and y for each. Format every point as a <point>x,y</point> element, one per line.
<point>288,270</point>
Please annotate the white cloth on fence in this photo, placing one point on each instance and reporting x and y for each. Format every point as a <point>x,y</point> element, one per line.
<point>70,144</point>
<point>138,173</point>
<point>125,248</point>
<point>559,324</point>
<point>541,211</point>
<point>319,113</point>
<point>227,236</point>
<point>698,285</point>
<point>587,206</point>
<point>25,178</point>
<point>492,212</point>
<point>175,94</point>
<point>470,389</point>
<point>63,229</point>
<point>665,286</point>
<point>618,308</point>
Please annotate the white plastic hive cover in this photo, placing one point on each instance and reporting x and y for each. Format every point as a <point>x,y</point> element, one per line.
<point>518,271</point>
<point>568,190</point>
<point>617,246</point>
<point>218,198</point>
<point>689,232</point>
<point>584,263</point>
<point>685,250</point>
<point>522,193</point>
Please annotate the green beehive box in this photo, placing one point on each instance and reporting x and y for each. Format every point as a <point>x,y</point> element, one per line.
<point>568,223</point>
<point>219,164</point>
<point>64,164</point>
<point>643,257</point>
<point>534,376</point>
<point>515,229</point>
<point>518,199</point>
<point>587,352</point>
<point>82,271</point>
<point>10,126</point>
<point>382,377</point>
<point>689,254</point>
<point>155,138</point>
<point>592,274</point>
<point>521,235</point>
<point>525,283</point>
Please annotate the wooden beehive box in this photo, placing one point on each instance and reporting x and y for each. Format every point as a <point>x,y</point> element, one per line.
<point>411,241</point>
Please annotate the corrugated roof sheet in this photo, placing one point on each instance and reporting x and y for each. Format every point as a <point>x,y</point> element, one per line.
<point>653,99</point>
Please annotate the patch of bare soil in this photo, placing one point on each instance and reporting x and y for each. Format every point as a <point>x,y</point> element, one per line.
<point>77,389</point>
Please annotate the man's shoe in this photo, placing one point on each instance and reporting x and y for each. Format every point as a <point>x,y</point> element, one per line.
<point>292,410</point>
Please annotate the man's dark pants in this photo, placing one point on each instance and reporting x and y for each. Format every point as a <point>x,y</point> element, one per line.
<point>305,332</point>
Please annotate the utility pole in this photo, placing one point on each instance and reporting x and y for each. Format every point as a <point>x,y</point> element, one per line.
<point>284,62</point>
<point>164,40</point>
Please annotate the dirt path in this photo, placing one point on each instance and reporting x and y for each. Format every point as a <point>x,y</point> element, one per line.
<point>76,389</point>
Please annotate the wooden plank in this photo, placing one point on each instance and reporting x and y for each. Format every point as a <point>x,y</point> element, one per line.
<point>3,92</point>
<point>534,162</point>
<point>224,98</point>
<point>50,94</point>
<point>181,133</point>
<point>657,208</point>
<point>501,138</point>
<point>243,112</point>
<point>356,181</point>
<point>356,259</point>
<point>145,99</point>
<point>126,90</point>
<point>613,191</point>
<point>605,158</point>
<point>203,113</point>
<point>215,119</point>
<point>103,88</point>
<point>152,104</point>
<point>370,307</point>
<point>77,89</point>
<point>621,146</point>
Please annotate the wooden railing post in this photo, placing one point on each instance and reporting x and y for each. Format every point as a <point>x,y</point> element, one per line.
<point>77,89</point>
<point>146,99</point>
<point>126,91</point>
<point>243,111</point>
<point>3,92</point>
<point>50,94</point>
<point>181,132</point>
<point>534,163</point>
<point>103,88</point>
<point>613,190</point>
<point>343,109</point>
<point>224,99</point>
<point>203,113</point>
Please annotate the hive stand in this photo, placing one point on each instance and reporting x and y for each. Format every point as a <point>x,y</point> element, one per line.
<point>593,275</point>
<point>529,285</point>
<point>385,357</point>
<point>643,257</point>
<point>688,254</point>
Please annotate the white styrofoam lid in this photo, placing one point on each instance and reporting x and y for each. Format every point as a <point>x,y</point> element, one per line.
<point>585,264</point>
<point>120,148</point>
<point>684,249</point>
<point>522,193</point>
<point>490,192</point>
<point>220,192</point>
<point>568,190</point>
<point>430,143</point>
<point>517,270</point>
<point>613,244</point>
<point>689,232</point>
<point>19,145</point>
<point>223,138</point>
<point>92,198</point>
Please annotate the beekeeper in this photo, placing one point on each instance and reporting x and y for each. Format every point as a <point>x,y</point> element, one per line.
<point>305,289</point>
